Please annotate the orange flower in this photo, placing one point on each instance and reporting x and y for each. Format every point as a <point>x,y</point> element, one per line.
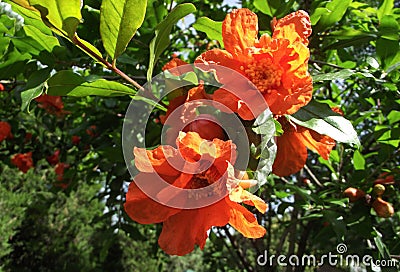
<point>185,226</point>
<point>276,65</point>
<point>52,104</point>
<point>5,131</point>
<point>23,161</point>
<point>292,147</point>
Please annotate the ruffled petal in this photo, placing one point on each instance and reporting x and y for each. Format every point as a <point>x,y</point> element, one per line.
<point>177,67</point>
<point>291,154</point>
<point>234,103</point>
<point>289,101</point>
<point>240,195</point>
<point>239,31</point>
<point>245,222</point>
<point>149,161</point>
<point>296,27</point>
<point>188,228</point>
<point>316,142</point>
<point>219,57</point>
<point>143,209</point>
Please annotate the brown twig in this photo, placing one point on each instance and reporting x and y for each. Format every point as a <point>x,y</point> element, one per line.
<point>239,252</point>
<point>112,67</point>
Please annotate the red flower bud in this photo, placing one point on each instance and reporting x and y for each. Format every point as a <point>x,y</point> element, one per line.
<point>206,126</point>
<point>75,139</point>
<point>354,194</point>
<point>382,208</point>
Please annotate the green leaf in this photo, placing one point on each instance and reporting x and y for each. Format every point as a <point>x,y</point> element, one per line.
<point>332,13</point>
<point>342,74</point>
<point>358,161</point>
<point>383,251</point>
<point>273,8</point>
<point>385,8</point>
<point>67,83</point>
<point>119,21</point>
<point>265,7</point>
<point>63,16</point>
<point>161,40</point>
<point>28,95</point>
<point>212,29</point>
<point>34,87</point>
<point>48,42</point>
<point>320,118</point>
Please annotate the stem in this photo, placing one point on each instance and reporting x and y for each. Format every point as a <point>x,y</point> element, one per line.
<point>313,177</point>
<point>325,63</point>
<point>239,252</point>
<point>113,68</point>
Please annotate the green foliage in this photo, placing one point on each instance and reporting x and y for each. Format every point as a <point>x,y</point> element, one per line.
<point>119,22</point>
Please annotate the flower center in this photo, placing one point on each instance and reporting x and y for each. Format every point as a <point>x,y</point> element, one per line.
<point>264,74</point>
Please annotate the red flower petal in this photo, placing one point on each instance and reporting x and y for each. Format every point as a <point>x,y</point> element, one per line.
<point>143,209</point>
<point>181,232</point>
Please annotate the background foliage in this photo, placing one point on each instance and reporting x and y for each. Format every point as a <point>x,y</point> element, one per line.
<point>78,222</point>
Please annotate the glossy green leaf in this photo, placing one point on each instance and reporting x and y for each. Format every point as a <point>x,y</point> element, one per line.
<point>212,29</point>
<point>320,118</point>
<point>119,21</point>
<point>385,8</point>
<point>332,13</point>
<point>34,87</point>
<point>161,40</point>
<point>63,16</point>
<point>67,83</point>
<point>46,41</point>
<point>342,74</point>
<point>273,8</point>
<point>358,161</point>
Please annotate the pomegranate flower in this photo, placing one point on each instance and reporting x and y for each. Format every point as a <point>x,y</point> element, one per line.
<point>5,131</point>
<point>184,226</point>
<point>277,65</point>
<point>23,161</point>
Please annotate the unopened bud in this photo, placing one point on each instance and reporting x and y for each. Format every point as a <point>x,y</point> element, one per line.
<point>379,189</point>
<point>354,194</point>
<point>382,208</point>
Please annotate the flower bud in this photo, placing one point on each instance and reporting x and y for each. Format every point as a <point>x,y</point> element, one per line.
<point>379,189</point>
<point>354,194</point>
<point>382,208</point>
<point>206,126</point>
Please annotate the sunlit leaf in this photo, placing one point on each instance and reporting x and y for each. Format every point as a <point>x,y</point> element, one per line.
<point>358,161</point>
<point>161,40</point>
<point>320,118</point>
<point>34,87</point>
<point>67,83</point>
<point>342,74</point>
<point>119,21</point>
<point>61,15</point>
<point>385,8</point>
<point>212,28</point>
<point>48,42</point>
<point>332,13</point>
